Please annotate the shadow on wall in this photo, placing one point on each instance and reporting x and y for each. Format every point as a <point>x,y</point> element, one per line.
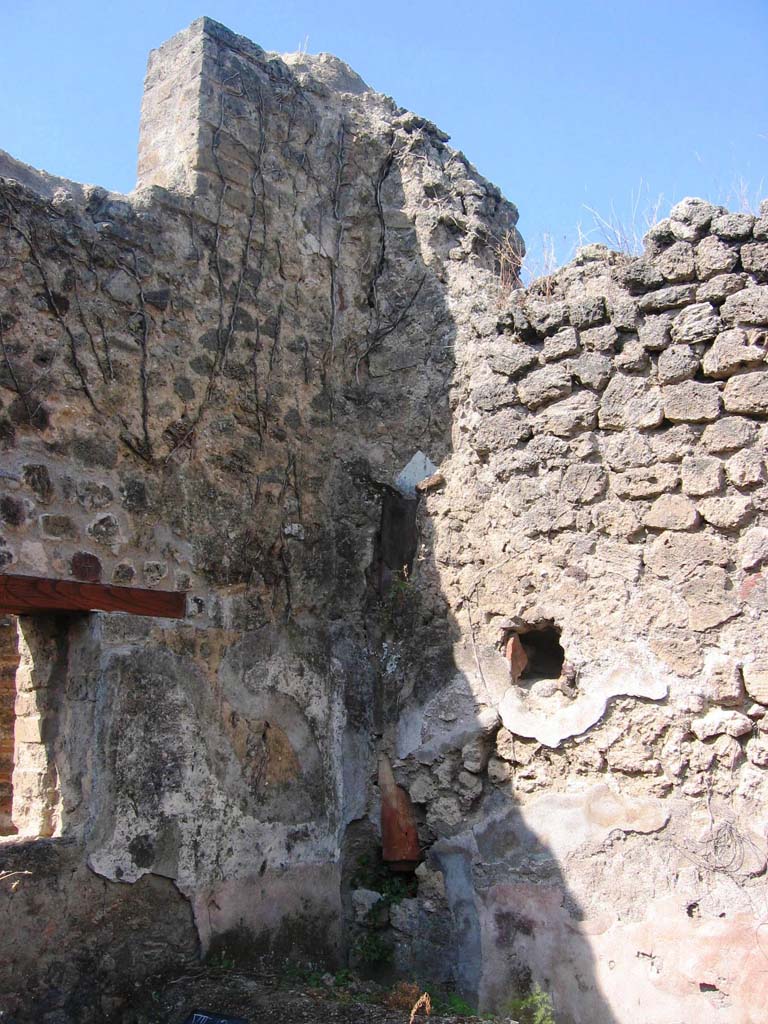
<point>494,916</point>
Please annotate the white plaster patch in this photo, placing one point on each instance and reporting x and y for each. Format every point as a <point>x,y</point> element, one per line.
<point>553,724</point>
<point>565,821</point>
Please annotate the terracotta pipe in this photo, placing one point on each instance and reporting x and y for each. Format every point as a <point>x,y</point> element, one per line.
<point>515,654</point>
<point>399,834</point>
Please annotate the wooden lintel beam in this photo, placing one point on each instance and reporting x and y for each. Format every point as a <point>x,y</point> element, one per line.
<point>25,595</point>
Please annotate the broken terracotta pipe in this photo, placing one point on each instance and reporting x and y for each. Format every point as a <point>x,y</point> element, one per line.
<point>515,654</point>
<point>399,833</point>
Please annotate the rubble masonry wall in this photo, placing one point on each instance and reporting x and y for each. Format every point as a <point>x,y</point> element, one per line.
<point>213,385</point>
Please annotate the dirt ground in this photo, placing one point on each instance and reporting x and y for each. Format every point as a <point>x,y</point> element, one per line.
<point>276,996</point>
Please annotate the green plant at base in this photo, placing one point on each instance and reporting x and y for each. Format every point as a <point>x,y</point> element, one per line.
<point>301,974</point>
<point>377,877</point>
<point>449,1004</point>
<point>535,1008</point>
<point>371,949</point>
<point>399,602</point>
<point>222,961</point>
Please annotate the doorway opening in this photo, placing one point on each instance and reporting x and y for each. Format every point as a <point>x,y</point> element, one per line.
<point>32,655</point>
<point>9,663</point>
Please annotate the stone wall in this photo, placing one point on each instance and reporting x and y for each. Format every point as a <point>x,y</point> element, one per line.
<point>599,823</point>
<point>513,541</point>
<point>80,945</point>
<point>212,389</point>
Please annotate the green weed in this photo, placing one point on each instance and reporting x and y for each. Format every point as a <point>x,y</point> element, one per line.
<point>377,877</point>
<point>535,1008</point>
<point>300,975</point>
<point>400,601</point>
<point>372,950</point>
<point>222,961</point>
<point>450,1004</point>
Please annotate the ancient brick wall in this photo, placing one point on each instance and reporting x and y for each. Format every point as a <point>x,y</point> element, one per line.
<point>514,542</point>
<point>9,659</point>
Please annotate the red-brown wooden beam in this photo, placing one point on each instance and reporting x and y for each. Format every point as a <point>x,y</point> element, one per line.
<point>25,595</point>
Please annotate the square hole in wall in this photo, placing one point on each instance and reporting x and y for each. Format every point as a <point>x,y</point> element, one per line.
<point>534,652</point>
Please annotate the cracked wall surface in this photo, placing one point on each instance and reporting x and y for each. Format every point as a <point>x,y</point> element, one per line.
<point>285,376</point>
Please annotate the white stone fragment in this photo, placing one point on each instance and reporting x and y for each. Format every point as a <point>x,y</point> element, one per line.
<point>418,469</point>
<point>718,722</point>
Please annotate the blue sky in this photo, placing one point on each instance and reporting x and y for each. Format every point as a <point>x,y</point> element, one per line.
<point>565,105</point>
